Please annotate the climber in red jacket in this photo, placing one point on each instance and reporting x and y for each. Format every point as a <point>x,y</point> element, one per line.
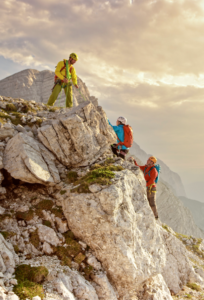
<point>150,175</point>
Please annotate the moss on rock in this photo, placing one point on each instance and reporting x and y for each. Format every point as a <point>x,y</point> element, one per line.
<point>11,107</point>
<point>62,192</point>
<point>63,255</point>
<point>29,279</point>
<point>34,239</point>
<point>26,215</point>
<point>58,212</point>
<point>7,234</point>
<point>194,286</point>
<point>73,248</point>
<point>79,258</point>
<point>102,176</point>
<point>47,223</point>
<point>71,176</point>
<point>45,205</point>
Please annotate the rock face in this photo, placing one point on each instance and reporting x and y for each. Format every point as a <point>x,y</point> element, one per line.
<point>30,161</point>
<point>34,85</point>
<point>119,226</point>
<point>88,222</point>
<point>172,178</point>
<point>173,212</point>
<point>79,138</point>
<point>8,257</point>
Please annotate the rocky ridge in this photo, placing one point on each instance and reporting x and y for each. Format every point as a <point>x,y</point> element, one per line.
<point>75,221</point>
<point>36,85</point>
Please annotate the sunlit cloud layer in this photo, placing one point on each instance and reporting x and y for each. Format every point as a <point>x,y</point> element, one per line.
<point>143,58</point>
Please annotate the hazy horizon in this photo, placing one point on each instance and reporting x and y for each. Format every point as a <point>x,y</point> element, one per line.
<point>142,59</point>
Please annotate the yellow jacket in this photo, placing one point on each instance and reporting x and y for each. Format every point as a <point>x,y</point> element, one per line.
<point>61,74</point>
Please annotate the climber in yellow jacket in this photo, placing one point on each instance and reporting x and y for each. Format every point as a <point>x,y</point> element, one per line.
<point>64,73</point>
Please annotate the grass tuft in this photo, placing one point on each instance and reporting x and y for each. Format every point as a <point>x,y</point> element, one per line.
<point>26,215</point>
<point>194,286</point>
<point>29,279</point>
<point>34,239</point>
<point>102,176</point>
<point>44,205</point>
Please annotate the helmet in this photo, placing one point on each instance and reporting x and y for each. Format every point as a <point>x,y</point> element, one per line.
<point>122,120</point>
<point>74,56</point>
<point>153,158</point>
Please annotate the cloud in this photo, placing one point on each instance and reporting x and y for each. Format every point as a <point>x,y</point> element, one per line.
<point>144,60</point>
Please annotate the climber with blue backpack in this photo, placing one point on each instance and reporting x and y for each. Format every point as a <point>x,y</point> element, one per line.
<point>151,175</point>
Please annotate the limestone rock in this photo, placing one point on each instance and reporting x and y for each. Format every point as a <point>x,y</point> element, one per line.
<point>47,249</point>
<point>62,225</point>
<point>155,289</point>
<point>178,270</point>
<point>1,162</point>
<point>118,224</point>
<point>8,257</point>
<point>103,288</point>
<point>47,234</point>
<point>94,188</point>
<point>5,295</point>
<point>6,132</point>
<point>2,210</point>
<point>92,261</point>
<point>24,159</point>
<point>79,138</point>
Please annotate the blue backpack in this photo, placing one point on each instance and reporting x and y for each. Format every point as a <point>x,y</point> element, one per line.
<point>158,168</point>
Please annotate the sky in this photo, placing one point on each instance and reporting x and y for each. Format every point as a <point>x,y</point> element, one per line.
<point>143,59</point>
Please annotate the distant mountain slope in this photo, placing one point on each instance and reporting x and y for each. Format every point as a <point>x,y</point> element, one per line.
<point>167,175</point>
<point>197,210</point>
<point>36,85</point>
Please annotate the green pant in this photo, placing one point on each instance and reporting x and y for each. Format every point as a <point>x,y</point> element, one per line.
<point>57,90</point>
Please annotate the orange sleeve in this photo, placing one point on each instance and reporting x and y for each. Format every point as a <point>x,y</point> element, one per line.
<point>141,167</point>
<point>153,176</point>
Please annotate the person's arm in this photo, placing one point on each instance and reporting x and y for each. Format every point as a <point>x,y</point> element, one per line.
<point>153,176</point>
<point>74,76</point>
<point>115,128</point>
<point>57,70</point>
<point>141,167</point>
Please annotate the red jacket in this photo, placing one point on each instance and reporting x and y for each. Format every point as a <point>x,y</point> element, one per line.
<point>150,180</point>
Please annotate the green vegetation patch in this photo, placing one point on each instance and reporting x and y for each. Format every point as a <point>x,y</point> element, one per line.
<point>63,255</point>
<point>166,227</point>
<point>16,248</point>
<point>62,192</point>
<point>29,279</point>
<point>79,258</point>
<point>69,234</point>
<point>194,286</point>
<point>102,176</point>
<point>34,239</point>
<point>44,205</point>
<point>7,234</point>
<point>47,223</point>
<point>88,270</point>
<point>71,176</point>
<point>11,107</point>
<point>58,212</point>
<point>193,248</point>
<point>26,215</point>
<point>73,248</point>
